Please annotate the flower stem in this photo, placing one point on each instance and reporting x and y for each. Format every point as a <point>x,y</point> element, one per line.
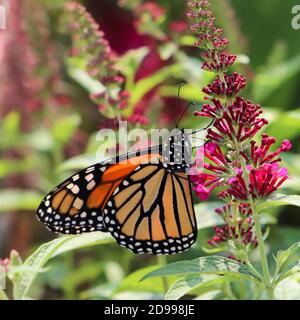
<point>262,251</point>
<point>162,261</point>
<point>260,241</point>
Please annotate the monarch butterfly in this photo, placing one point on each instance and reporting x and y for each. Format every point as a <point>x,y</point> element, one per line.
<point>142,199</point>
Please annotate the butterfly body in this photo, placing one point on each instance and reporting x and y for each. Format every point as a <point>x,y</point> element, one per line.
<point>142,199</point>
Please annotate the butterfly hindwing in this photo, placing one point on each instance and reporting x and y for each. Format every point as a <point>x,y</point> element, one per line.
<point>152,211</point>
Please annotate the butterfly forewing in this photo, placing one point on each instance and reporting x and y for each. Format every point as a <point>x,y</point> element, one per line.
<point>76,205</point>
<point>66,209</point>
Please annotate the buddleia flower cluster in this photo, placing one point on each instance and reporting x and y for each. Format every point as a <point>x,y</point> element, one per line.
<point>242,170</point>
<point>92,53</point>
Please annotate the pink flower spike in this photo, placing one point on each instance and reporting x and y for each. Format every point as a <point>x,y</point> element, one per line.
<point>232,86</point>
<point>240,229</point>
<point>246,170</point>
<point>264,181</point>
<point>261,154</point>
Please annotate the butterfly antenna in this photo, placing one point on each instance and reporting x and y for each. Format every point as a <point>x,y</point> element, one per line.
<point>178,99</point>
<point>184,111</point>
<point>205,128</point>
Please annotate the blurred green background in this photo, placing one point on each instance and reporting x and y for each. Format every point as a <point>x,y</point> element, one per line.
<point>48,121</point>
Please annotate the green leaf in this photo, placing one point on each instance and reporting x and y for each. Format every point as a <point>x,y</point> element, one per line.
<point>18,199</point>
<point>273,77</point>
<point>11,123</point>
<point>283,125</point>
<point>206,215</point>
<point>145,85</point>
<point>285,237</point>
<point>130,62</point>
<point>289,289</point>
<point>206,265</point>
<point>283,269</point>
<point>64,128</point>
<point>278,200</point>
<point>78,163</point>
<point>209,295</point>
<point>76,70</point>
<point>34,263</point>
<point>15,259</point>
<point>187,40</point>
<point>167,50</point>
<point>83,241</point>
<point>242,59</point>
<point>191,71</point>
<point>40,140</point>
<point>132,282</point>
<point>10,129</point>
<point>287,271</point>
<point>102,292</point>
<point>188,92</point>
<point>72,279</point>
<point>283,255</point>
<point>151,27</point>
<point>292,162</point>
<point>9,166</point>
<point>185,285</point>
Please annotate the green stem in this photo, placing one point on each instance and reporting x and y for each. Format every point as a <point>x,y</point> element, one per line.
<point>222,78</point>
<point>262,251</point>
<point>235,220</point>
<point>162,261</point>
<point>3,295</point>
<point>260,241</point>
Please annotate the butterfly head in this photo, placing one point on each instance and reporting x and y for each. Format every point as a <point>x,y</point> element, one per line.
<point>177,149</point>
